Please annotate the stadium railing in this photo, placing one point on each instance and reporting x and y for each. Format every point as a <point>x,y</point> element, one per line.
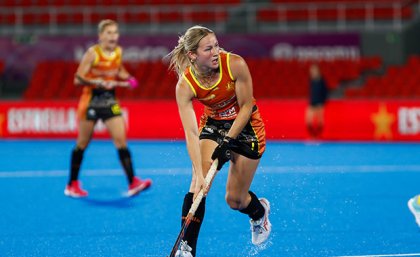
<point>134,16</point>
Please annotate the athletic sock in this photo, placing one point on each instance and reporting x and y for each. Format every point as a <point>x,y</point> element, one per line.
<point>311,131</point>
<point>318,130</point>
<point>191,235</point>
<point>125,159</point>
<point>76,161</point>
<point>255,210</point>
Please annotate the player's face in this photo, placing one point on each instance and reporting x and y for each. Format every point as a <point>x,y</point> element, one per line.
<point>314,72</point>
<point>109,37</point>
<point>208,52</point>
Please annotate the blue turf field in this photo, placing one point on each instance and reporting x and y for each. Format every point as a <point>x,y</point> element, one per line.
<point>328,199</point>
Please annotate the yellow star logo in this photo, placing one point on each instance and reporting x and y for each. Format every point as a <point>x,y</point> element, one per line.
<point>383,121</point>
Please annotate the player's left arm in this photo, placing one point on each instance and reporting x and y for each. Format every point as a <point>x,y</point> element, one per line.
<point>123,74</point>
<point>244,95</point>
<point>127,80</point>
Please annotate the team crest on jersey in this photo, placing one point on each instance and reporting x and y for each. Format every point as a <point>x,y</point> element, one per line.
<point>230,86</point>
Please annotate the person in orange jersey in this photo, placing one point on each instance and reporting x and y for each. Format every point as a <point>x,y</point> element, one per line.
<point>100,72</point>
<point>230,130</point>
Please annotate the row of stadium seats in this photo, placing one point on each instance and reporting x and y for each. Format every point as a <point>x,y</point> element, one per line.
<point>57,3</point>
<point>289,78</point>
<point>27,3</point>
<point>126,16</point>
<point>76,12</point>
<point>398,81</point>
<point>272,78</point>
<point>333,14</point>
<point>54,80</point>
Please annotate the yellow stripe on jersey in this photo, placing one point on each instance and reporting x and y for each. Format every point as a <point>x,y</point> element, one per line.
<point>115,54</point>
<point>95,62</point>
<point>189,83</point>
<point>215,84</point>
<point>228,66</point>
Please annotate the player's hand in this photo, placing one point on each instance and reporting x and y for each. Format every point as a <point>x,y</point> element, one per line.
<point>222,152</point>
<point>132,82</point>
<point>200,183</point>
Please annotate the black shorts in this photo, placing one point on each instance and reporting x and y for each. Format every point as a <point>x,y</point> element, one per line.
<point>249,143</point>
<point>103,113</point>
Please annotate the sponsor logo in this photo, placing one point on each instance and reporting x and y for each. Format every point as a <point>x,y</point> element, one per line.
<point>131,53</point>
<point>228,113</point>
<point>41,120</point>
<point>211,130</point>
<point>224,103</point>
<point>288,51</point>
<point>47,121</point>
<point>409,120</point>
<point>116,109</point>
<point>383,120</point>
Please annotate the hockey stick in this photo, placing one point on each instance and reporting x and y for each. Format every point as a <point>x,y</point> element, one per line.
<point>86,82</point>
<point>132,82</point>
<point>209,178</point>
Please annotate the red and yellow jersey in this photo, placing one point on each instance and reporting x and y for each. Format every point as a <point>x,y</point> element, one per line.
<point>105,67</point>
<point>219,99</point>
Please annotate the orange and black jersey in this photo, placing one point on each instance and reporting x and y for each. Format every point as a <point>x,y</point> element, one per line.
<point>219,99</point>
<point>105,67</point>
<point>221,109</point>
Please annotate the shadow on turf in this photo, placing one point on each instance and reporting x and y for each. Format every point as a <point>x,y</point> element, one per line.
<point>121,202</point>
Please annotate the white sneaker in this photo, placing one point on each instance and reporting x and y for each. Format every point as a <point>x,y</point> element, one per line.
<point>261,228</point>
<point>184,251</point>
<point>414,206</point>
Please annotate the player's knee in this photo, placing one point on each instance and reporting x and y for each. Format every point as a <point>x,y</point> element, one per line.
<point>235,202</point>
<point>120,143</point>
<point>82,145</point>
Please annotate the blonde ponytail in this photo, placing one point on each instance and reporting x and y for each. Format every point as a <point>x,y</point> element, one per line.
<point>179,60</point>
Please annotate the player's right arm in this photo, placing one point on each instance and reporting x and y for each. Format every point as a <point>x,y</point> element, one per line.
<point>184,96</point>
<point>83,69</point>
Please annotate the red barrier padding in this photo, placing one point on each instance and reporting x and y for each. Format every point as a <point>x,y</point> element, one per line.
<point>284,120</point>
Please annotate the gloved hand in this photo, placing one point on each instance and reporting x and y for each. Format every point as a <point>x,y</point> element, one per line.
<point>132,82</point>
<point>222,152</point>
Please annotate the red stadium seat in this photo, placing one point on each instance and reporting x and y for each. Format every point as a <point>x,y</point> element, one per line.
<point>38,80</point>
<point>397,82</point>
<point>272,79</point>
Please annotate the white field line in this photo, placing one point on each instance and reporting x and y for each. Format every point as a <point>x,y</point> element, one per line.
<point>187,171</point>
<point>383,255</point>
